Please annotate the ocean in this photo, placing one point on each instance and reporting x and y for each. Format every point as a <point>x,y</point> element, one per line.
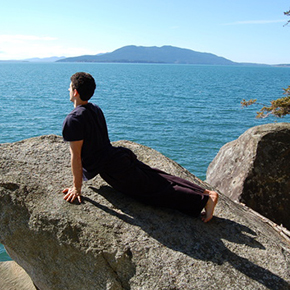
<point>186,112</point>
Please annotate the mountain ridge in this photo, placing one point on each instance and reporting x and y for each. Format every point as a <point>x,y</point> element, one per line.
<point>152,54</point>
<point>45,59</point>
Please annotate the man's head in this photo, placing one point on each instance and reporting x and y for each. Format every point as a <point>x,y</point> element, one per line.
<point>84,83</point>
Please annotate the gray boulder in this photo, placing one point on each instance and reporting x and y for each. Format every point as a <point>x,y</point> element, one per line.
<point>255,170</point>
<point>112,242</point>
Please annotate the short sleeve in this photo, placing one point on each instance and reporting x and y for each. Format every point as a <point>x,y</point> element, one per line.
<point>73,128</point>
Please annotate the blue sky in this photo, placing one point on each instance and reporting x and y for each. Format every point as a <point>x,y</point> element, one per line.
<point>240,30</point>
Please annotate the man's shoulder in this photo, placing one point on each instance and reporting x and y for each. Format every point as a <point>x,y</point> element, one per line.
<point>93,106</point>
<point>78,111</point>
<point>76,115</point>
<point>83,112</point>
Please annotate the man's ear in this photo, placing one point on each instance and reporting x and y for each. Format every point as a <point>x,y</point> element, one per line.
<point>76,92</point>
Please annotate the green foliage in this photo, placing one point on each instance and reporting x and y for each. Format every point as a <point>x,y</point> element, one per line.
<point>248,103</point>
<point>279,108</point>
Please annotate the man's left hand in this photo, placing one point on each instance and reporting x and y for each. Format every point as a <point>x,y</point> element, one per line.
<point>71,194</point>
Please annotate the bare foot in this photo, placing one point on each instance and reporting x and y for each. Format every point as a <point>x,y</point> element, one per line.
<point>210,205</point>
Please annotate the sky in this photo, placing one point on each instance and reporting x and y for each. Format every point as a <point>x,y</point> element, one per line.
<point>239,30</point>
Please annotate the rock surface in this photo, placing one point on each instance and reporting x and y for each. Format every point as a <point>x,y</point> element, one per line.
<point>13,277</point>
<point>113,242</point>
<point>255,170</point>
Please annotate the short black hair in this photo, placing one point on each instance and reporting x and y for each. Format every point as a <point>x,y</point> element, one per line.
<point>84,83</point>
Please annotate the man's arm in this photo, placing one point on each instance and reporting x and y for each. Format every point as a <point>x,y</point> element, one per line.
<point>77,171</point>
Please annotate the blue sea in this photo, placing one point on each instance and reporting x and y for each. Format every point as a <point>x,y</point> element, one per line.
<point>187,112</point>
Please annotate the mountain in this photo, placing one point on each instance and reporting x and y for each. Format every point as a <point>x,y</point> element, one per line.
<point>164,54</point>
<point>45,59</point>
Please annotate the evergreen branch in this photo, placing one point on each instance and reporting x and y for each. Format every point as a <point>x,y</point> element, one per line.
<point>278,108</point>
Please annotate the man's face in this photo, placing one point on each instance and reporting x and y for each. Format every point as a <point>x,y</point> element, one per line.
<point>71,92</point>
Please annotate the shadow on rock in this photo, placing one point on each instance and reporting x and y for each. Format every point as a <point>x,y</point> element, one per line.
<point>191,236</point>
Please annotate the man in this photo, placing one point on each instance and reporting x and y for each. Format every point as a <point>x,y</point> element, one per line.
<point>92,153</point>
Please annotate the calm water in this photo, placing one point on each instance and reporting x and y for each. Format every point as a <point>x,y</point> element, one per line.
<point>186,112</point>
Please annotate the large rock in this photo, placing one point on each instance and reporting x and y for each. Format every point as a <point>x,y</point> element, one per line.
<point>113,242</point>
<point>255,170</point>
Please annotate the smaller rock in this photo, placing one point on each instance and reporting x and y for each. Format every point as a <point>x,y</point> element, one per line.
<point>255,170</point>
<point>13,277</point>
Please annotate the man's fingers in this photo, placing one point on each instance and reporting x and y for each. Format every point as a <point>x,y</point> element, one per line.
<point>71,196</point>
<point>67,196</point>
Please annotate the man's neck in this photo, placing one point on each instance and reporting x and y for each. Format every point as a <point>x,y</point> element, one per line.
<point>79,102</point>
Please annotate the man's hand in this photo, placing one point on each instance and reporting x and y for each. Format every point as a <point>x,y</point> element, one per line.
<point>71,194</point>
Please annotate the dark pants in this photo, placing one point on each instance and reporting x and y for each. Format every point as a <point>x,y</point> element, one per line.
<point>125,173</point>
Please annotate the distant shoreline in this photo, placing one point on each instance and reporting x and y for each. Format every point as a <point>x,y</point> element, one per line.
<point>161,63</point>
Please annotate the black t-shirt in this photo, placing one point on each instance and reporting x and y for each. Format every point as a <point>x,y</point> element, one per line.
<point>87,123</point>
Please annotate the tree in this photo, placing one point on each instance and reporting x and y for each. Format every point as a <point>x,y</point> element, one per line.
<point>287,13</point>
<point>280,107</point>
